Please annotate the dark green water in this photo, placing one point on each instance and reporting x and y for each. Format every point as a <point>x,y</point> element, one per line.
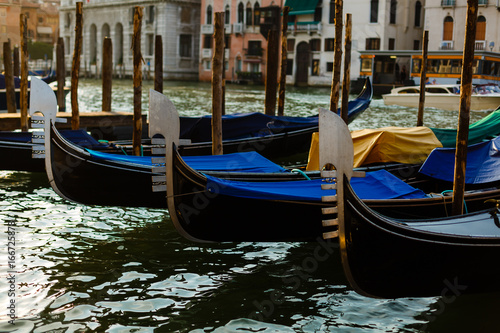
<point>115,269</point>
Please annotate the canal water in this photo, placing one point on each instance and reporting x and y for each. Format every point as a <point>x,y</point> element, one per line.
<point>66,267</point>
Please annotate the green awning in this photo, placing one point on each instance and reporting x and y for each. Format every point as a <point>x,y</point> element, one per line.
<point>301,7</point>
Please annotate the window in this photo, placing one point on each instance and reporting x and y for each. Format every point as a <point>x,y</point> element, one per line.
<point>373,11</point>
<point>392,43</point>
<point>256,14</point>
<point>150,14</point>
<point>240,13</point>
<point>254,48</point>
<point>331,18</point>
<point>227,41</point>
<point>416,44</point>
<point>315,44</point>
<point>186,15</point>
<point>208,20</point>
<point>249,17</point>
<point>227,15</point>
<point>315,67</point>
<point>372,44</point>
<point>185,46</point>
<point>40,20</point>
<point>207,41</point>
<point>289,67</point>
<point>151,44</point>
<point>418,13</point>
<point>207,65</point>
<point>393,10</point>
<point>329,66</point>
<point>481,28</point>
<point>290,45</point>
<point>318,12</point>
<point>448,28</point>
<point>238,64</point>
<point>329,44</point>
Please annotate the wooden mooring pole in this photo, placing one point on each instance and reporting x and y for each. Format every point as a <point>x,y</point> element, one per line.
<point>337,57</point>
<point>158,64</point>
<point>284,53</point>
<point>107,73</point>
<point>464,111</point>
<point>10,89</point>
<point>60,74</point>
<point>23,89</point>
<point>136,46</point>
<point>272,71</point>
<point>423,78</point>
<point>217,71</point>
<point>346,82</point>
<point>75,69</point>
<point>17,64</point>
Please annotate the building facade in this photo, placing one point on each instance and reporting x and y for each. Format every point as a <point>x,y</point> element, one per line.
<point>42,17</point>
<point>245,47</point>
<point>376,25</point>
<point>176,21</point>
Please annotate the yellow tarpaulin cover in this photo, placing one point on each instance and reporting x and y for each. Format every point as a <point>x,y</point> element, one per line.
<point>383,145</point>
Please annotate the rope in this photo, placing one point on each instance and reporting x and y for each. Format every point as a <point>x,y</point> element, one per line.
<point>465,204</point>
<point>302,173</point>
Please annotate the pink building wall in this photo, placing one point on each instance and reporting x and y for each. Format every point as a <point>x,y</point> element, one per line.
<point>238,55</point>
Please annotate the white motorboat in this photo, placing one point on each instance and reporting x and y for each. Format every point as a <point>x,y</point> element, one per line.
<point>445,96</point>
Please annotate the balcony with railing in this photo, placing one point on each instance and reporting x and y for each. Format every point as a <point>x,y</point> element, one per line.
<point>448,3</point>
<point>446,45</point>
<point>480,45</point>
<point>308,27</point>
<point>207,29</point>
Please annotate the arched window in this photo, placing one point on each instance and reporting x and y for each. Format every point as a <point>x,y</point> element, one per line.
<point>448,28</point>
<point>393,11</point>
<point>481,28</point>
<point>256,14</point>
<point>209,15</point>
<point>241,11</point>
<point>418,13</point>
<point>373,11</point>
<point>249,17</point>
<point>227,15</point>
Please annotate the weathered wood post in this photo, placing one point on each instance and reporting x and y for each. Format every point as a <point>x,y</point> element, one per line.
<point>272,71</point>
<point>464,112</point>
<point>284,53</point>
<point>346,82</point>
<point>337,57</point>
<point>23,89</point>
<point>60,74</point>
<point>136,45</point>
<point>107,73</point>
<point>10,89</point>
<point>217,70</point>
<point>75,69</point>
<point>423,78</point>
<point>158,64</point>
<point>17,65</point>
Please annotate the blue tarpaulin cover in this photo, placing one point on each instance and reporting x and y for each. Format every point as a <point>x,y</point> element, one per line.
<point>483,163</point>
<point>379,184</point>
<point>237,162</point>
<point>242,125</point>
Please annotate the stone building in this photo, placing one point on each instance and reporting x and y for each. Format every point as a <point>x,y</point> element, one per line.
<point>176,21</point>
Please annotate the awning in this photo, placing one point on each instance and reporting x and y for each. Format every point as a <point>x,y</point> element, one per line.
<point>301,7</point>
<point>44,30</point>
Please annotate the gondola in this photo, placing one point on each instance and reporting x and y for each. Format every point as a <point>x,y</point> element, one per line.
<point>205,208</point>
<point>93,177</point>
<point>281,139</point>
<point>389,258</point>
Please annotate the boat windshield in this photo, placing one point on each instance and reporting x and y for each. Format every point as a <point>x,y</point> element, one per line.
<point>487,89</point>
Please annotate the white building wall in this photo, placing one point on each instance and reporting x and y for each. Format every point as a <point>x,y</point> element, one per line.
<point>167,23</point>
